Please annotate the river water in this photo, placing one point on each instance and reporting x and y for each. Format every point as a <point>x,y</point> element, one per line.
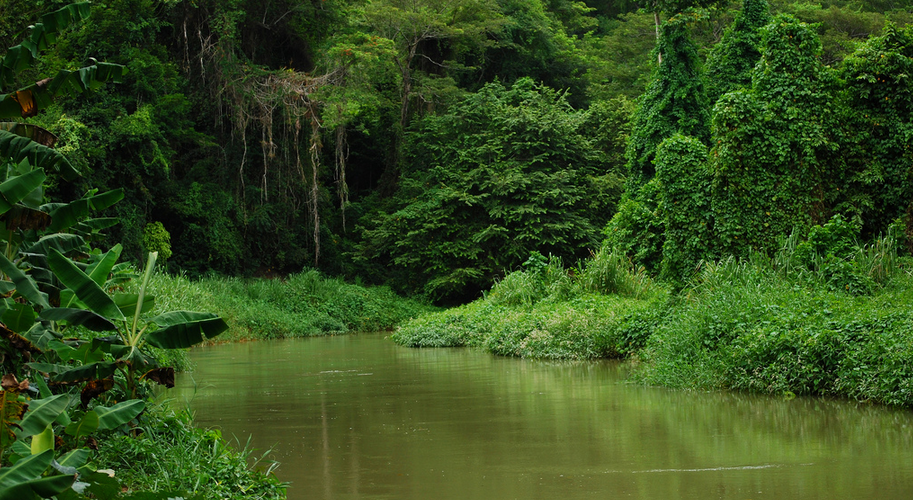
<point>358,417</point>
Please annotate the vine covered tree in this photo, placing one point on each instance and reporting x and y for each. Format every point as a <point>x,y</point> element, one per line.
<point>730,62</point>
<point>774,144</point>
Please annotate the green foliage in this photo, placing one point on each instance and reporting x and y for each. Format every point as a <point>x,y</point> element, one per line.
<point>749,326</point>
<point>544,312</point>
<point>674,102</point>
<point>638,228</point>
<point>609,271</point>
<point>172,455</point>
<point>303,304</point>
<point>772,160</point>
<point>682,172</point>
<point>502,173</point>
<point>157,239</point>
<point>730,62</point>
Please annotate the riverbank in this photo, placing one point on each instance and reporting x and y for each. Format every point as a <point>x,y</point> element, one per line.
<point>840,327</point>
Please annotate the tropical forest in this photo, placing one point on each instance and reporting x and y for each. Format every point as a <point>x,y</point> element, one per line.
<point>707,198</point>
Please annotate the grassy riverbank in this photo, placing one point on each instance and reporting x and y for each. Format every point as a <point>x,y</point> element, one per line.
<point>837,326</point>
<point>301,305</point>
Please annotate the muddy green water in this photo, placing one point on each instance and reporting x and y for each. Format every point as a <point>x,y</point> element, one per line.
<point>358,417</point>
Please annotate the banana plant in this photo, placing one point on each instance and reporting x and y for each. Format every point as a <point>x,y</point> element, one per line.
<point>84,301</point>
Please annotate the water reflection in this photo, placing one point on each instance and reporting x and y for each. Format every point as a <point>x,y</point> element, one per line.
<point>359,417</point>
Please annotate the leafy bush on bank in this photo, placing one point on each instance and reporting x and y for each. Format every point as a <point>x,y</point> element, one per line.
<point>545,311</point>
<point>170,454</point>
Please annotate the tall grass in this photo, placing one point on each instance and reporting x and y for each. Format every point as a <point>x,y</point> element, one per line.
<point>302,305</point>
<point>168,454</point>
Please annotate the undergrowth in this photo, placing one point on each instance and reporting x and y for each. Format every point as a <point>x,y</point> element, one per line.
<point>169,454</point>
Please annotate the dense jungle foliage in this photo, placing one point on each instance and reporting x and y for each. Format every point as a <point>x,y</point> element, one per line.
<point>723,191</point>
<point>432,146</point>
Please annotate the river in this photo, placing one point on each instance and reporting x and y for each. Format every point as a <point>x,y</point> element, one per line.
<point>358,417</point>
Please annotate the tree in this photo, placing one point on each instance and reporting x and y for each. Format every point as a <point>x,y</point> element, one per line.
<point>878,128</point>
<point>674,102</point>
<point>503,173</point>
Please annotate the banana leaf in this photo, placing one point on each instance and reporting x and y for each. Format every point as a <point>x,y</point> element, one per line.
<point>20,186</point>
<point>181,329</point>
<point>25,285</point>
<point>76,317</point>
<point>119,414</point>
<point>83,286</point>
<point>21,148</point>
<point>41,413</point>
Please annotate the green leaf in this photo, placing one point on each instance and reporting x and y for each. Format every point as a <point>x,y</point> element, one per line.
<point>45,487</point>
<point>41,413</point>
<point>63,242</point>
<point>86,425</point>
<point>83,286</point>
<point>119,414</point>
<point>20,186</point>
<point>27,469</point>
<point>25,285</point>
<point>127,303</point>
<point>19,317</point>
<point>181,329</point>
<point>75,458</point>
<point>76,317</point>
<point>39,156</point>
<point>100,270</point>
<point>106,199</point>
<point>91,371</point>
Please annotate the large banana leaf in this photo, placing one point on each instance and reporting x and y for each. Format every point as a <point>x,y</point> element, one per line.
<point>23,481</point>
<point>21,148</point>
<point>18,187</point>
<point>100,269</point>
<point>68,215</point>
<point>119,414</point>
<point>38,134</point>
<point>41,413</point>
<point>29,101</point>
<point>180,329</point>
<point>25,285</point>
<point>83,286</point>
<point>75,317</point>
<point>18,317</point>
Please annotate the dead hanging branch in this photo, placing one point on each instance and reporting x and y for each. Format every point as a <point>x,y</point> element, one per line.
<point>276,104</point>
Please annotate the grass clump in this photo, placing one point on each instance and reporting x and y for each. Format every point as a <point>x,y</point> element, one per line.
<point>792,325</point>
<point>822,316</point>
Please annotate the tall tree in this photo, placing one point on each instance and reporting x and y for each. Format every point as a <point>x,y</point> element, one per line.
<point>674,102</point>
<point>878,128</point>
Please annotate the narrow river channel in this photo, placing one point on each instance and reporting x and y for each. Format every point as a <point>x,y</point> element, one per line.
<point>358,417</point>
